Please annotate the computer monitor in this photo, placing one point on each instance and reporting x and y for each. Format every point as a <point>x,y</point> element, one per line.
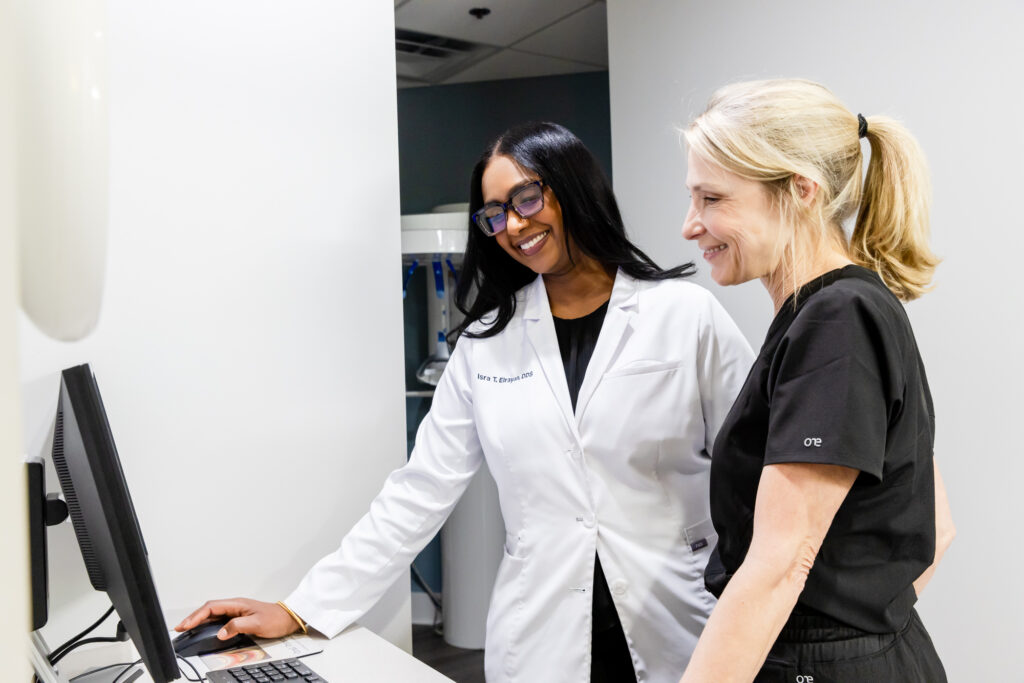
<point>104,518</point>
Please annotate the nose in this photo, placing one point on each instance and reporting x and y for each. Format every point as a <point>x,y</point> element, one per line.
<point>514,223</point>
<point>692,226</point>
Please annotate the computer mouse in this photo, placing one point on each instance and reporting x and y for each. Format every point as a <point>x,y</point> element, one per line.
<point>203,640</point>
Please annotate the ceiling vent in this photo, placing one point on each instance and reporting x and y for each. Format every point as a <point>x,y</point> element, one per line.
<point>426,59</point>
<point>427,45</point>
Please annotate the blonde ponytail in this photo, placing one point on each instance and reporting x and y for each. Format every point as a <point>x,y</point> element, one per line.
<point>891,233</point>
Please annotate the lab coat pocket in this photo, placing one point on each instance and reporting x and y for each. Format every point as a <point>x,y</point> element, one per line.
<point>642,367</point>
<point>504,618</point>
<point>642,411</point>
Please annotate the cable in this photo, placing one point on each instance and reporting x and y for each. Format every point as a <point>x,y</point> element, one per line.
<point>127,669</point>
<point>57,650</point>
<point>438,627</point>
<point>102,668</point>
<point>421,582</point>
<point>199,677</point>
<point>84,641</point>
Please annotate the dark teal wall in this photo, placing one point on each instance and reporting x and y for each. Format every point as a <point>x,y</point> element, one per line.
<point>442,131</point>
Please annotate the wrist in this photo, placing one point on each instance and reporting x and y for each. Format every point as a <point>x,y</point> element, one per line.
<point>298,620</point>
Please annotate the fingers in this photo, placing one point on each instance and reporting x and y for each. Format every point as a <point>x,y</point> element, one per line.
<point>265,620</point>
<point>234,607</point>
<point>248,624</point>
<point>197,617</point>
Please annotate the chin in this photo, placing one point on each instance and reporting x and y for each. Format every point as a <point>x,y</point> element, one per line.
<point>727,277</point>
<point>722,279</point>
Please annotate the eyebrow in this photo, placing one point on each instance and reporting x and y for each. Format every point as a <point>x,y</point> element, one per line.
<point>512,191</point>
<point>705,188</point>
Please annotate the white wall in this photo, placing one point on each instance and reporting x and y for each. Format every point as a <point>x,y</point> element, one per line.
<point>14,572</point>
<point>952,72</point>
<point>249,350</point>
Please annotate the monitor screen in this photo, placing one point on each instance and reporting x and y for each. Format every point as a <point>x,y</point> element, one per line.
<point>104,518</point>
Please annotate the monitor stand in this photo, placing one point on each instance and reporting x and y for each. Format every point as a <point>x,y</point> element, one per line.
<point>37,653</point>
<point>47,674</point>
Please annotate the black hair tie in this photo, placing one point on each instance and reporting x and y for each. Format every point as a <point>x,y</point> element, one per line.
<point>862,126</point>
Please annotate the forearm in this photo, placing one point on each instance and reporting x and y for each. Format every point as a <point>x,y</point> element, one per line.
<point>945,531</point>
<point>745,623</point>
<point>942,541</point>
<point>793,511</point>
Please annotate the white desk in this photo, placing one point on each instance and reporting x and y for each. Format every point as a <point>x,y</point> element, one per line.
<point>355,655</point>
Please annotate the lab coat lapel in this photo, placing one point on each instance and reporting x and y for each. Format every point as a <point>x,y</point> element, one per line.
<point>540,328</point>
<point>614,332</point>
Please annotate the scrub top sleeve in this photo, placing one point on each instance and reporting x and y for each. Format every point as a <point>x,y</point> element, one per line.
<point>827,388</point>
<point>723,362</point>
<point>415,501</point>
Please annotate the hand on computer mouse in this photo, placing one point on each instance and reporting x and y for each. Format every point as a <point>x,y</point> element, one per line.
<point>263,619</point>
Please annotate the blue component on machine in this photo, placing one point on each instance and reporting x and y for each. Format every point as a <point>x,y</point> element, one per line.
<point>438,279</point>
<point>408,276</point>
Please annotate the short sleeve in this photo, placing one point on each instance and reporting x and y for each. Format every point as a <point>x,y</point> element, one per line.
<point>827,387</point>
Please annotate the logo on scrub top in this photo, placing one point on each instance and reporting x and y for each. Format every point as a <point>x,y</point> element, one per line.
<point>812,441</point>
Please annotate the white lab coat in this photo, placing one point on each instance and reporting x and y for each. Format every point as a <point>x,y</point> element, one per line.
<point>625,476</point>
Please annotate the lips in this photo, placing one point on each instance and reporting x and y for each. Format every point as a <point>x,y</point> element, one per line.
<point>533,244</point>
<point>714,251</point>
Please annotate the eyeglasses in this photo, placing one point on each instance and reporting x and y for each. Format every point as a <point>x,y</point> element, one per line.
<point>527,201</point>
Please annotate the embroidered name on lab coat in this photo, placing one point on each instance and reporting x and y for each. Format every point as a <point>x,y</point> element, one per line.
<point>503,379</point>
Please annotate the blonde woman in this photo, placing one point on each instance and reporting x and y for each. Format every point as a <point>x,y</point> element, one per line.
<point>830,513</point>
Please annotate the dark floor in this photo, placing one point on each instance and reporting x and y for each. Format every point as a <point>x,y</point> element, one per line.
<point>462,666</point>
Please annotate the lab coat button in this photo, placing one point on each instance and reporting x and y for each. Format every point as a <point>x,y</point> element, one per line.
<point>588,521</point>
<point>574,453</point>
<point>619,586</point>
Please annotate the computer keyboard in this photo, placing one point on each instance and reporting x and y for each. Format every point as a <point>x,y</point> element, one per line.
<point>266,672</point>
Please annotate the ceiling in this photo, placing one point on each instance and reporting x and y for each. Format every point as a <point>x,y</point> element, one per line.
<point>439,42</point>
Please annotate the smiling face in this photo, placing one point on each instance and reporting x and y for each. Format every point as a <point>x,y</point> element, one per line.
<point>733,222</point>
<point>537,242</point>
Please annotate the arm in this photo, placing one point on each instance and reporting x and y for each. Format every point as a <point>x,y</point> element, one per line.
<point>405,515</point>
<point>944,530</point>
<point>795,505</point>
<point>413,504</point>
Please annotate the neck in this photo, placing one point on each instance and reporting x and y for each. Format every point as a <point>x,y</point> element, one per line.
<point>580,290</point>
<point>808,263</point>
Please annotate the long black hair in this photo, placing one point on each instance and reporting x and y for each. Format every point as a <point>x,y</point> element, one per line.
<point>590,217</point>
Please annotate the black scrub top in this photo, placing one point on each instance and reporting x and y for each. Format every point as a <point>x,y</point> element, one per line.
<point>577,338</point>
<point>838,381</point>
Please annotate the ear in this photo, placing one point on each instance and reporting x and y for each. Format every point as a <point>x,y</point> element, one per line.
<point>807,188</point>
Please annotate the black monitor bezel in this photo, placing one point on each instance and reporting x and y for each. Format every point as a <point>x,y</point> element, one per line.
<point>110,532</point>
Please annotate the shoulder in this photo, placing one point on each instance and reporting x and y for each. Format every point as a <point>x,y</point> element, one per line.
<point>677,295</point>
<point>478,327</point>
<point>853,320</point>
<point>684,305</point>
<point>853,302</point>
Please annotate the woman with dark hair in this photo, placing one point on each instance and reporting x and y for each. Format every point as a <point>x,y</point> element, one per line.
<point>593,383</point>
